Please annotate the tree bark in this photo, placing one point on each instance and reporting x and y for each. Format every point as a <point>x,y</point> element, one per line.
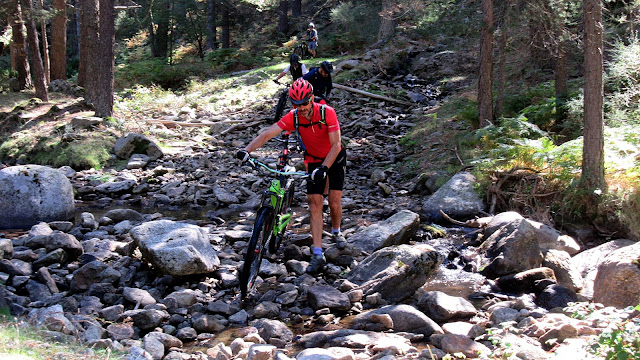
<point>502,62</point>
<point>160,17</point>
<point>226,23</point>
<point>387,21</point>
<point>103,101</point>
<point>90,48</point>
<point>34,53</point>
<point>85,39</point>
<point>211,25</point>
<point>45,46</point>
<point>19,50</point>
<point>296,8</point>
<point>59,41</point>
<point>561,81</point>
<point>283,18</point>
<point>593,148</point>
<point>485,97</point>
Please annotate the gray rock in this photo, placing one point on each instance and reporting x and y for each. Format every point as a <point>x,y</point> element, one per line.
<point>175,248</point>
<point>396,272</point>
<point>406,318</point>
<point>395,230</point>
<point>33,193</point>
<point>325,296</point>
<point>457,198</point>
<point>133,143</point>
<point>442,307</point>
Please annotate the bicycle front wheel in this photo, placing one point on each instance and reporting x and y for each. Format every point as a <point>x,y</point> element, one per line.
<point>262,231</point>
<point>282,103</point>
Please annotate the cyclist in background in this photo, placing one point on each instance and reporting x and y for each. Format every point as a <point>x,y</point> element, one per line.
<point>312,39</point>
<point>320,79</point>
<point>325,159</point>
<point>295,67</point>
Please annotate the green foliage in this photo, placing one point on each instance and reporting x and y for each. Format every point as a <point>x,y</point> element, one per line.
<point>21,340</point>
<point>619,341</point>
<point>623,84</point>
<point>357,23</point>
<point>447,18</point>
<point>156,72</point>
<point>92,151</point>
<point>233,59</point>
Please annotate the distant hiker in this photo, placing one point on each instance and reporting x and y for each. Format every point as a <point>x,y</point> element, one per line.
<point>295,67</point>
<point>320,79</point>
<point>325,161</point>
<point>312,39</point>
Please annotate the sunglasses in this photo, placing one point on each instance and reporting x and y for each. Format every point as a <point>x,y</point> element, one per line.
<point>303,104</point>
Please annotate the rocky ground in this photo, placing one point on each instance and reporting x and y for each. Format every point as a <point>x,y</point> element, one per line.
<point>408,286</point>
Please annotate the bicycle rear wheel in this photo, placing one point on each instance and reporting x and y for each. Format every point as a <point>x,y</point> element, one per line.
<point>274,245</point>
<point>256,248</point>
<point>300,51</point>
<point>282,103</point>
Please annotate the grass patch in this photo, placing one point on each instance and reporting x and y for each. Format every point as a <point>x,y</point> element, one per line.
<point>20,340</point>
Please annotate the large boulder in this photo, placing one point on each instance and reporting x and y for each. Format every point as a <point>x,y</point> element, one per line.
<point>587,262</point>
<point>396,230</point>
<point>176,248</point>
<point>618,280</point>
<point>457,198</point>
<point>396,272</point>
<point>512,248</point>
<point>133,143</point>
<point>30,194</point>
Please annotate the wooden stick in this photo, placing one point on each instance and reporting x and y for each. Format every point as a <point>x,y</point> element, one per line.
<point>375,96</point>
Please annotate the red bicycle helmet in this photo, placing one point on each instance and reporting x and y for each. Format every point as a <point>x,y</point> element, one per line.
<point>300,91</point>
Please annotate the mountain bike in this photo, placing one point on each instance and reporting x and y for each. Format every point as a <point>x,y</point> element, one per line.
<point>272,217</point>
<point>302,50</point>
<point>283,99</point>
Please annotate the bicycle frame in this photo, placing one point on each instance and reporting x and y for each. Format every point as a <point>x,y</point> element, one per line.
<point>274,196</point>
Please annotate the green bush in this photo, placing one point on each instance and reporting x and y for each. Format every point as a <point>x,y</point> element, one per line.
<point>620,341</point>
<point>156,72</point>
<point>623,84</point>
<point>357,24</point>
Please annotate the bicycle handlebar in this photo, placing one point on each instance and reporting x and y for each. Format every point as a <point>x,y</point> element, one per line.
<point>276,171</point>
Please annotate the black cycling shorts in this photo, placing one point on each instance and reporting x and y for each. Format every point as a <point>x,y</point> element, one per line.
<point>336,175</point>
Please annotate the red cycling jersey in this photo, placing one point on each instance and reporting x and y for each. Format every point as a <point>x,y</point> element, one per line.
<point>316,137</point>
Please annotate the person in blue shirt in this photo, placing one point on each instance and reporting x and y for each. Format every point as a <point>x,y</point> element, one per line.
<point>320,79</point>
<point>312,39</point>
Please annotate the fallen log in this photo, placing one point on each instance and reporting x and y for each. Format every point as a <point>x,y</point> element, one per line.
<point>371,95</point>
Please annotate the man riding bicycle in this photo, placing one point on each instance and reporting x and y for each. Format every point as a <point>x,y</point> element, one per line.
<point>312,39</point>
<point>295,67</point>
<point>320,79</point>
<point>325,160</point>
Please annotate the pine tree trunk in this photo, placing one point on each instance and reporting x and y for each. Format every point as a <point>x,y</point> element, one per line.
<point>34,52</point>
<point>593,148</point>
<point>105,60</point>
<point>296,8</point>
<point>485,97</point>
<point>387,21</point>
<point>90,48</point>
<point>226,23</point>
<point>59,41</point>
<point>84,42</point>
<point>19,51</point>
<point>502,63</point>
<point>561,81</point>
<point>45,47</point>
<point>283,18</point>
<point>211,25</point>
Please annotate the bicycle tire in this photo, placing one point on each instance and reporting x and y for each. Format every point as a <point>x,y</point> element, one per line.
<point>260,237</point>
<point>287,200</point>
<point>282,103</point>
